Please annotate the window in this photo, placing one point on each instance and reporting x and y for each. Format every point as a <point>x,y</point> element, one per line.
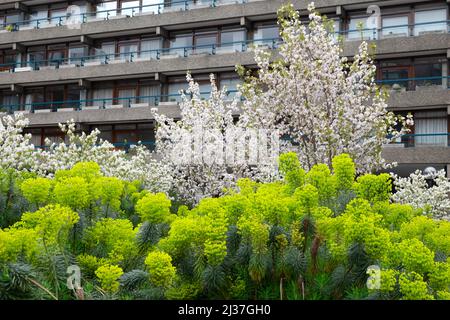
<point>76,54</point>
<point>56,56</point>
<point>128,50</point>
<point>39,14</point>
<point>149,93</point>
<point>149,47</point>
<point>34,99</point>
<point>7,61</point>
<point>124,135</point>
<point>430,21</point>
<point>232,40</point>
<point>10,101</point>
<point>106,9</point>
<point>395,27</point>
<point>73,96</point>
<point>359,28</point>
<point>175,86</point>
<point>433,126</point>
<point>130,8</point>
<point>230,82</point>
<point>204,42</point>
<point>266,34</point>
<point>36,57</point>
<point>152,6</point>
<point>395,74</point>
<point>126,96</point>
<point>429,73</point>
<point>102,96</point>
<point>58,16</point>
<point>179,42</point>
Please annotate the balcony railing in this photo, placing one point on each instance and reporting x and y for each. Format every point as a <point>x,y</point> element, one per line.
<point>97,104</point>
<point>402,30</point>
<point>143,55</point>
<point>424,139</point>
<point>100,15</point>
<point>413,84</point>
<point>125,145</point>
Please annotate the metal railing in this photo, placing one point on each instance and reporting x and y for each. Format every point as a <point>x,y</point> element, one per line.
<point>125,145</point>
<point>424,139</point>
<point>401,30</point>
<point>157,8</point>
<point>412,84</point>
<point>142,55</point>
<point>104,103</point>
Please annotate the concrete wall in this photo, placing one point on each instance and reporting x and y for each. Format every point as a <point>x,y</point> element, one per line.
<point>417,155</point>
<point>136,69</point>
<point>399,46</point>
<point>423,97</point>
<point>101,116</point>
<point>179,20</point>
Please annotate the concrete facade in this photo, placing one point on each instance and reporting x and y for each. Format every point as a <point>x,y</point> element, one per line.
<point>245,15</point>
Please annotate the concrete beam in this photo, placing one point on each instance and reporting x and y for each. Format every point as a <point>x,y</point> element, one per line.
<point>160,31</point>
<point>83,83</point>
<point>340,11</point>
<point>86,40</point>
<point>16,88</point>
<point>246,23</point>
<point>160,77</point>
<point>17,47</point>
<point>21,6</point>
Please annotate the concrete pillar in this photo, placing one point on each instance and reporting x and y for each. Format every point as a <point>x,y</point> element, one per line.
<point>448,171</point>
<point>445,75</point>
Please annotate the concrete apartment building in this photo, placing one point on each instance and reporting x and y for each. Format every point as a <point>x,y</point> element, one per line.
<point>109,62</point>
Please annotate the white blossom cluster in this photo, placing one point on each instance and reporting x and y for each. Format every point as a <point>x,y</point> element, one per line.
<point>194,180</point>
<point>414,190</point>
<point>325,104</point>
<point>17,152</point>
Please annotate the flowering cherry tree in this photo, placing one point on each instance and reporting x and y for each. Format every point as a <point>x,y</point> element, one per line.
<point>325,104</point>
<point>17,152</point>
<point>202,148</point>
<point>414,190</point>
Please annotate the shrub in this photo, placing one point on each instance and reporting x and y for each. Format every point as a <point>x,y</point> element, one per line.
<point>160,268</point>
<point>108,276</point>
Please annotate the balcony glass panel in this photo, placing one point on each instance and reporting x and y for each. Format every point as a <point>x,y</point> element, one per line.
<point>106,9</point>
<point>101,97</point>
<point>36,59</point>
<point>130,8</point>
<point>151,6</point>
<point>393,79</point>
<point>432,70</point>
<point>425,22</point>
<point>391,27</point>
<point>266,32</point>
<point>75,55</point>
<point>358,29</point>
<point>177,42</point>
<point>58,17</point>
<point>228,40</point>
<point>149,94</point>
<point>149,47</point>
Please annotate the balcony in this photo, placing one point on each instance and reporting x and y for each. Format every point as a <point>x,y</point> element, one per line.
<point>143,55</point>
<point>396,31</point>
<point>118,13</point>
<point>119,109</point>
